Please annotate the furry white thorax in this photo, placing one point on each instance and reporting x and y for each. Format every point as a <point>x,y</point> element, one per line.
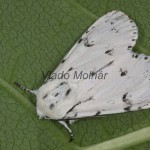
<point>54,95</point>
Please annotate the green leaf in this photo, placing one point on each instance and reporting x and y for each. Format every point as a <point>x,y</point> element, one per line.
<point>34,37</point>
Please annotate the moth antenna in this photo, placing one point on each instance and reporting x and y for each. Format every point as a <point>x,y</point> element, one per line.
<point>25,89</point>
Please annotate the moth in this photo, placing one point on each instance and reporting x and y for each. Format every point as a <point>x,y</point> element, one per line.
<point>104,51</point>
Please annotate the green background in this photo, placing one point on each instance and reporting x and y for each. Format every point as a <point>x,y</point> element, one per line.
<point>34,37</point>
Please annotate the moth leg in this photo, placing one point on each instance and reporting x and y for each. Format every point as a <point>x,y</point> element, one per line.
<point>67,127</point>
<point>72,121</point>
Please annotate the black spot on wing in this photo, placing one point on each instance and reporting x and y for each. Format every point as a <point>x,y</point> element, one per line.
<point>88,99</point>
<point>124,97</point>
<point>129,47</point>
<point>88,45</point>
<point>86,31</point>
<point>45,96</point>
<point>123,73</point>
<point>76,114</point>
<point>113,29</point>
<point>68,91</point>
<point>117,31</point>
<point>110,63</point>
<point>136,56</point>
<point>62,83</point>
<point>127,101</point>
<point>109,52</point>
<point>128,108</point>
<point>70,69</point>
<point>133,39</point>
<point>80,40</point>
<point>51,106</point>
<point>63,61</point>
<point>97,113</point>
<point>145,58</point>
<point>57,94</point>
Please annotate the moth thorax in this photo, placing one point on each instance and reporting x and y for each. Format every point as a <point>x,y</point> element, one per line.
<point>51,97</point>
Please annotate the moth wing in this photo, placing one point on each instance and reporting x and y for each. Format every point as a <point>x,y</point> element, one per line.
<point>117,93</point>
<point>105,50</point>
<point>113,34</point>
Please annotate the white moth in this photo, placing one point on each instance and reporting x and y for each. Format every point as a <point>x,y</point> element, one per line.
<point>101,74</point>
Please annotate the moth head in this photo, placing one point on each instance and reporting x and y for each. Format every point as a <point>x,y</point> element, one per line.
<point>48,96</point>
